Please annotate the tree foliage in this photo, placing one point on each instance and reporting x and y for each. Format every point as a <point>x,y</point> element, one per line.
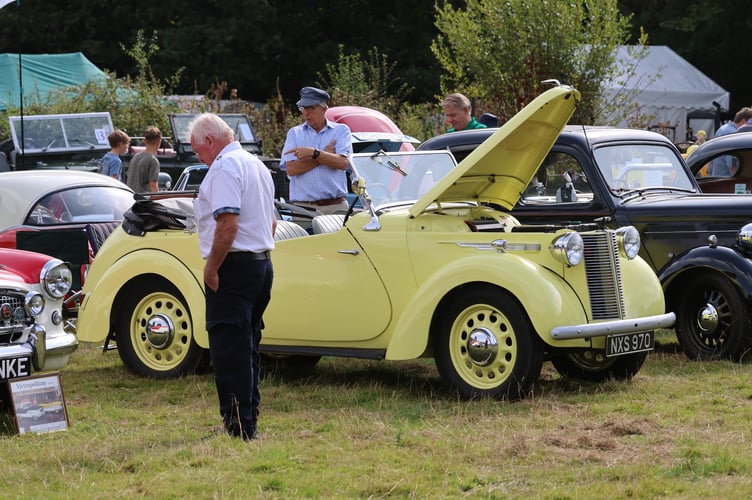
<point>496,51</point>
<point>369,81</point>
<point>500,52</point>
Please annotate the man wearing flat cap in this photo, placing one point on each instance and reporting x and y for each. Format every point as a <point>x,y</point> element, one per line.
<point>315,156</point>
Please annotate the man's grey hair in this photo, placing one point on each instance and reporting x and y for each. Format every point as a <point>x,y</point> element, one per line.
<point>207,124</point>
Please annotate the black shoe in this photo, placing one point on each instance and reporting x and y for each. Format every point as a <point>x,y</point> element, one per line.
<point>214,432</point>
<point>236,429</point>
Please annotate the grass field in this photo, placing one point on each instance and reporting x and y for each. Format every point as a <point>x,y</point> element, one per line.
<point>360,429</point>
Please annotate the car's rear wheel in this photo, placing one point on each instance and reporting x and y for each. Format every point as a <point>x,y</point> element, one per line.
<point>594,366</point>
<point>712,320</point>
<point>484,346</point>
<point>155,336</point>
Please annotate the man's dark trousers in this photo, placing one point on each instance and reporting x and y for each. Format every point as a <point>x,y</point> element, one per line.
<point>234,322</point>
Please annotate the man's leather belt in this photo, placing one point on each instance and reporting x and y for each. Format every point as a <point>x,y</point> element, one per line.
<point>251,255</point>
<point>330,201</point>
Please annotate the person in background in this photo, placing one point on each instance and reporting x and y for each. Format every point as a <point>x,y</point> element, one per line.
<point>725,165</point>
<point>700,137</point>
<point>458,113</point>
<point>143,169</point>
<point>111,164</point>
<point>236,221</point>
<point>740,118</point>
<point>747,126</point>
<point>316,156</point>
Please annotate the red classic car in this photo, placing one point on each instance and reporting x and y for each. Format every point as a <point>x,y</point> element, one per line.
<point>371,129</point>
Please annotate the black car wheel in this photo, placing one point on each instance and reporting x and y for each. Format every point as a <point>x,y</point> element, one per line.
<point>594,366</point>
<point>712,320</point>
<point>155,333</point>
<point>484,347</point>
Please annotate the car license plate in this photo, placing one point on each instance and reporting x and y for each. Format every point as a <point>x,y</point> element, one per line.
<point>15,367</point>
<point>628,343</point>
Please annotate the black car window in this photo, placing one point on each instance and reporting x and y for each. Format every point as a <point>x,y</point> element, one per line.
<point>559,180</point>
<point>626,167</point>
<point>81,204</point>
<point>722,166</point>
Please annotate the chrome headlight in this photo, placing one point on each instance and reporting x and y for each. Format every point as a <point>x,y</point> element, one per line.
<point>568,249</point>
<point>56,278</point>
<point>629,241</point>
<point>34,303</point>
<point>744,238</point>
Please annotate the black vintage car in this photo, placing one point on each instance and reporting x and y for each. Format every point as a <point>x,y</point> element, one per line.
<point>724,164</point>
<point>699,244</point>
<point>176,152</point>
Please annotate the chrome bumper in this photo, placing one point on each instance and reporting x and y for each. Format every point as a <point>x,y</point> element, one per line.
<point>39,347</point>
<point>633,325</point>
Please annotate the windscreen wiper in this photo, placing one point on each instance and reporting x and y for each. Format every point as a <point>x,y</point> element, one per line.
<point>382,158</point>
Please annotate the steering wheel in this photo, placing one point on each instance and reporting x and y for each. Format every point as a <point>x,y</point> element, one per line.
<point>42,215</point>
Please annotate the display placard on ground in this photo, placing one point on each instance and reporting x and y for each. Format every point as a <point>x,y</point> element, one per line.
<point>38,404</point>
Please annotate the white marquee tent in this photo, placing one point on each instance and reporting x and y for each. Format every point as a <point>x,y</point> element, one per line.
<point>668,87</point>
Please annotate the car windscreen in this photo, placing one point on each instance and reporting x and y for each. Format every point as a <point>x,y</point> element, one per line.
<point>401,177</point>
<point>240,125</point>
<point>80,205</point>
<point>627,167</point>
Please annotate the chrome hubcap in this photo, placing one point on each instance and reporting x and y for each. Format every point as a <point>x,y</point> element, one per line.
<point>482,346</point>
<point>707,318</point>
<point>159,331</point>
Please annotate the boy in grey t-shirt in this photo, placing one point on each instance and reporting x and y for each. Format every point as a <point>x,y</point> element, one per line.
<point>143,169</point>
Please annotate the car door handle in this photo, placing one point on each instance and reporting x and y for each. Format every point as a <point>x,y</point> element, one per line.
<point>349,252</point>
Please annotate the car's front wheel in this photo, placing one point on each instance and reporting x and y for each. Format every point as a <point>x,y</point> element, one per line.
<point>484,346</point>
<point>155,335</point>
<point>594,366</point>
<point>712,320</point>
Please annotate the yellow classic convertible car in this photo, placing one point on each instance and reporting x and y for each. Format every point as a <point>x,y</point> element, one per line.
<point>432,266</point>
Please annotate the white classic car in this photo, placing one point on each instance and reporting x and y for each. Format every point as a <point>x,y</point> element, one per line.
<point>32,334</point>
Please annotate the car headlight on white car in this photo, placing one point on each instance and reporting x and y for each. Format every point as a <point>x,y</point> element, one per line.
<point>56,279</point>
<point>568,249</point>
<point>629,241</point>
<point>34,304</point>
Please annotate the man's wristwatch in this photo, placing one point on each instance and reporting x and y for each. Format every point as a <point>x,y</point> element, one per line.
<point>316,153</point>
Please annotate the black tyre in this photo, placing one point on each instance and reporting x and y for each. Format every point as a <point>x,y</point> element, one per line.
<point>712,319</point>
<point>594,366</point>
<point>155,335</point>
<point>484,347</point>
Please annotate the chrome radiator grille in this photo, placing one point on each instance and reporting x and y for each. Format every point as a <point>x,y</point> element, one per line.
<point>604,275</point>
<point>13,317</point>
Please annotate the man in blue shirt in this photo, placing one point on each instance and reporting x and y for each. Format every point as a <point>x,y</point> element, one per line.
<point>740,118</point>
<point>316,155</point>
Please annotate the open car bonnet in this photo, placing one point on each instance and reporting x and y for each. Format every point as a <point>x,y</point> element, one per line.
<point>500,169</point>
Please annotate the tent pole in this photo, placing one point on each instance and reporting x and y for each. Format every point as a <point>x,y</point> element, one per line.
<point>20,86</point>
<point>20,83</point>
